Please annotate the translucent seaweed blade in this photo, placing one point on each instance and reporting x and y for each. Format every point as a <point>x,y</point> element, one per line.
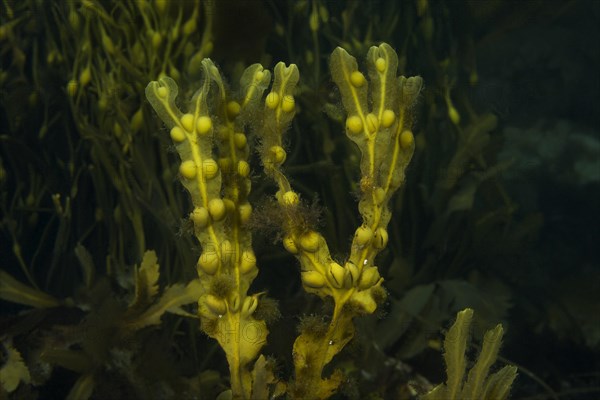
<point>498,384</point>
<point>455,346</point>
<point>475,382</point>
<point>382,62</point>
<point>162,94</point>
<point>440,392</point>
<point>285,79</point>
<point>279,110</point>
<point>146,281</point>
<point>354,97</point>
<point>254,81</point>
<point>410,88</point>
<point>354,88</point>
<point>14,291</point>
<point>13,371</point>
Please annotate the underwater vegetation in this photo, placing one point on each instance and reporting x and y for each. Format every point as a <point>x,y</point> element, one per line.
<point>180,181</point>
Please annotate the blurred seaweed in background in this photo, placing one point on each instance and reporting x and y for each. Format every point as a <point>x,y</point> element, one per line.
<point>499,212</point>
